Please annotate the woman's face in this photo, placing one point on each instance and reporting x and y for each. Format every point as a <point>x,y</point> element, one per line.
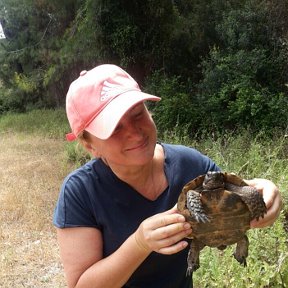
<point>132,142</point>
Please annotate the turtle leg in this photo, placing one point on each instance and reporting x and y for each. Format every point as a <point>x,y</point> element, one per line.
<point>241,251</point>
<point>252,198</point>
<point>222,247</point>
<point>193,257</point>
<point>195,207</point>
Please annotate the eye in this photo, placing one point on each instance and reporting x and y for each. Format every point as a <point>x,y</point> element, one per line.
<point>117,129</point>
<point>138,113</point>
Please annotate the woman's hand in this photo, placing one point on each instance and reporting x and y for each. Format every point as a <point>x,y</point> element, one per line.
<point>272,199</point>
<point>163,232</point>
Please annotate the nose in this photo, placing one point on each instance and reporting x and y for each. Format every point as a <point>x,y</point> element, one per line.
<point>133,130</point>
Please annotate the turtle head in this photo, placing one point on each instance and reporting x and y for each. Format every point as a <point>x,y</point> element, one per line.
<point>213,180</point>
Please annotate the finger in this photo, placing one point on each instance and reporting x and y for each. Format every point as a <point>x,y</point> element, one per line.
<point>268,221</point>
<point>174,248</point>
<point>171,243</point>
<point>164,219</point>
<point>274,202</point>
<point>168,232</point>
<point>172,210</point>
<point>269,192</point>
<point>171,240</point>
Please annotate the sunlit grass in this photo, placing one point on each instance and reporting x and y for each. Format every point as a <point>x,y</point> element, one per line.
<point>249,156</point>
<point>47,123</point>
<point>31,173</point>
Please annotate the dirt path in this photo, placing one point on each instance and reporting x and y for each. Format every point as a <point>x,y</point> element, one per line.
<point>31,172</point>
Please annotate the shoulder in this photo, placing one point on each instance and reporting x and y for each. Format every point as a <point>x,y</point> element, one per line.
<point>187,160</point>
<point>83,174</point>
<point>182,152</point>
<point>80,185</point>
<point>74,207</point>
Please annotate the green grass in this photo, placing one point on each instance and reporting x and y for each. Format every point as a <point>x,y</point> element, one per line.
<point>249,156</point>
<point>243,153</point>
<point>47,123</point>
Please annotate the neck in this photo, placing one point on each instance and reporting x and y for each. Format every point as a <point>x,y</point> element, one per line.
<point>149,179</point>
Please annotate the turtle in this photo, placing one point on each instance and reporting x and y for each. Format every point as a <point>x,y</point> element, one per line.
<point>219,206</point>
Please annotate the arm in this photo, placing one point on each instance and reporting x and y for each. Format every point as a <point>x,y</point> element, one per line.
<point>272,199</point>
<point>81,250</point>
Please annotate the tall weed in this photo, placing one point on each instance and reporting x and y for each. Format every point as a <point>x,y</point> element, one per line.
<point>250,156</point>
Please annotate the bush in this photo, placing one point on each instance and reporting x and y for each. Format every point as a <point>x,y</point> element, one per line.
<point>242,83</point>
<point>176,109</point>
<point>11,100</point>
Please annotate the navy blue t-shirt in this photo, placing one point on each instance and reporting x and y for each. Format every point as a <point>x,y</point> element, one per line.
<point>93,196</point>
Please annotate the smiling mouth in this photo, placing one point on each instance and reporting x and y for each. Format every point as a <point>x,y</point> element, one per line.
<point>139,146</point>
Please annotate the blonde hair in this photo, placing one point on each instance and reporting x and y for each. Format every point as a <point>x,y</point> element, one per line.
<point>84,136</point>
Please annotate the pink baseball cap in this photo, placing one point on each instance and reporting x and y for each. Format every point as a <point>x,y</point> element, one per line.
<point>98,99</point>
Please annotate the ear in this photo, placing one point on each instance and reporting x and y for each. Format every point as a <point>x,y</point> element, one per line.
<point>90,148</point>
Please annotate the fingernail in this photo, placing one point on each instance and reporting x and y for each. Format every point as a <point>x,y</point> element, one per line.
<point>184,244</point>
<point>187,226</point>
<point>181,218</point>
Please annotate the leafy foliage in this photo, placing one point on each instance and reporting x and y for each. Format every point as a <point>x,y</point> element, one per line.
<point>223,64</point>
<point>244,78</point>
<point>32,29</point>
<point>174,109</point>
<point>231,84</point>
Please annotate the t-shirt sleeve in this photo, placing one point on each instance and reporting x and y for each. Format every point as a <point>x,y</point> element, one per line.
<point>194,161</point>
<point>207,163</point>
<point>73,208</point>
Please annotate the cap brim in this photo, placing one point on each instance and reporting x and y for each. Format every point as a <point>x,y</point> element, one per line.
<point>104,124</point>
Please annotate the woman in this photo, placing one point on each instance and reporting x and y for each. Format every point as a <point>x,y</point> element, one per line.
<point>117,223</point>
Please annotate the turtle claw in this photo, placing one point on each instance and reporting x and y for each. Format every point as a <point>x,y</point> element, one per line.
<point>201,218</point>
<point>193,260</point>
<point>195,208</point>
<point>191,269</point>
<point>260,212</point>
<point>241,260</point>
<point>254,200</point>
<point>192,266</point>
<point>259,215</point>
<point>241,252</point>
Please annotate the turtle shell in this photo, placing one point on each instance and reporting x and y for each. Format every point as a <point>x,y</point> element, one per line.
<point>219,206</point>
<point>228,217</point>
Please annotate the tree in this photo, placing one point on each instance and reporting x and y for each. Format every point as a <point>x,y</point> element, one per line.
<point>200,56</point>
<point>244,75</point>
<point>33,30</point>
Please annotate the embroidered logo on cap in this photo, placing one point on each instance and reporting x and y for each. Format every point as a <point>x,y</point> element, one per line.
<point>110,90</point>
